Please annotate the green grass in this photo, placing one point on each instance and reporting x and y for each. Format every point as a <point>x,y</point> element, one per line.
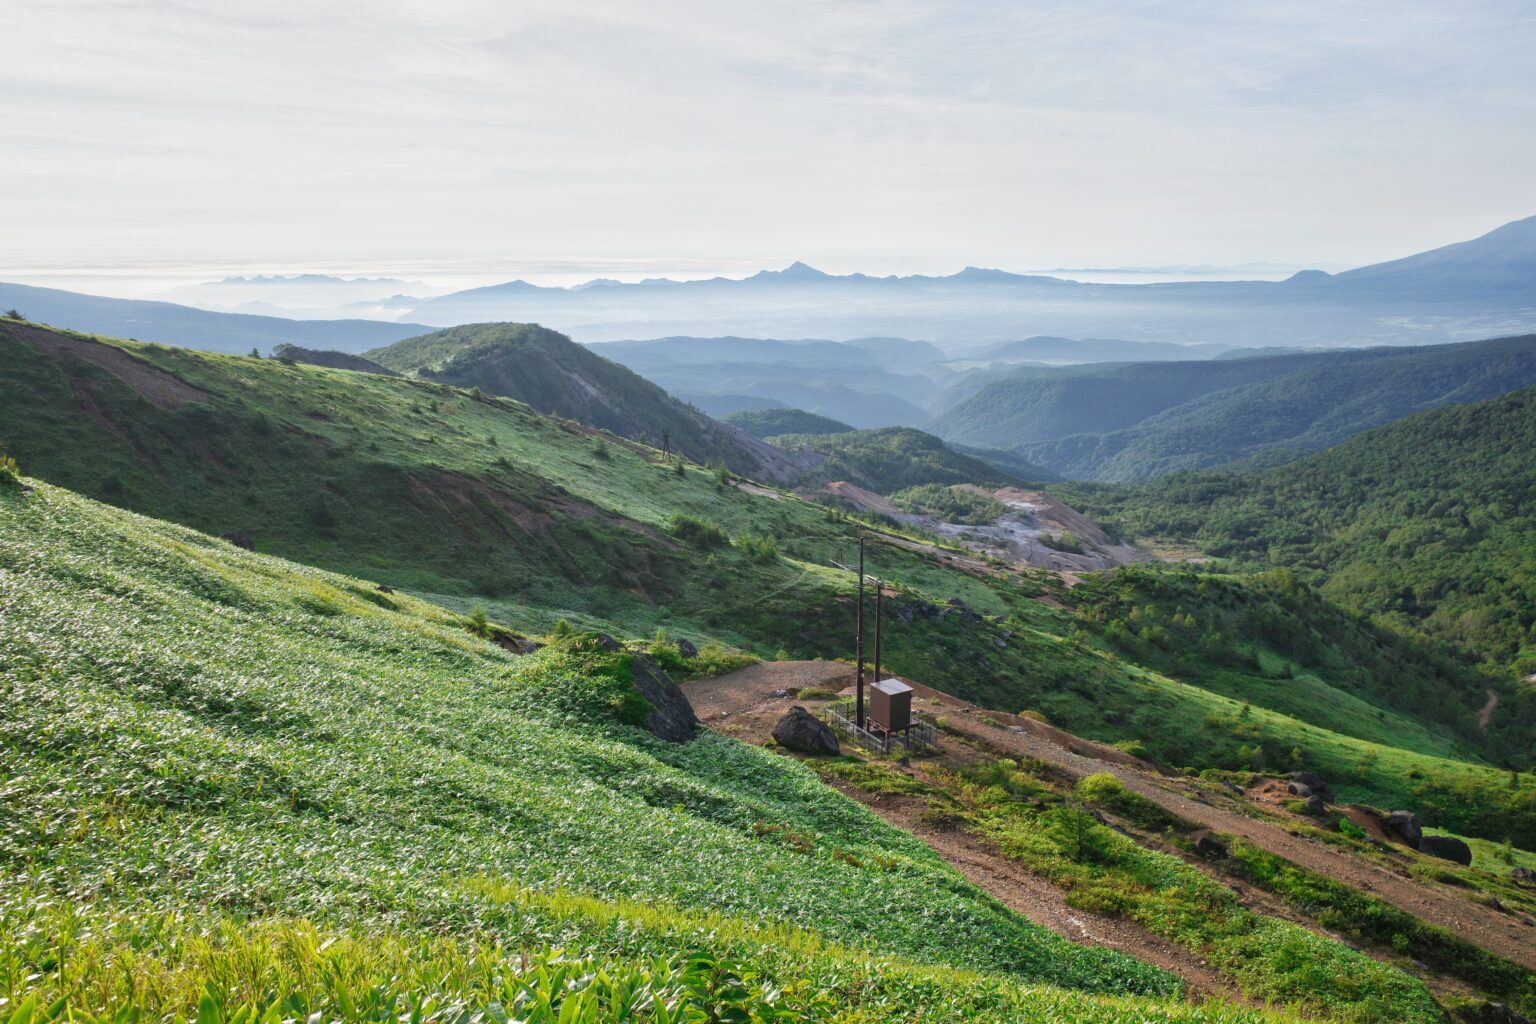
<point>1033,818</point>
<point>197,739</point>
<point>481,501</point>
<point>1348,911</point>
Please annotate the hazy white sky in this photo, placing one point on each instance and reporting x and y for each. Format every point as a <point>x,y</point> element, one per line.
<point>475,136</point>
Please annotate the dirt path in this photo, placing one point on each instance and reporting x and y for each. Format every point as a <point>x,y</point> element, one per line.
<point>1031,896</point>
<point>1484,715</point>
<point>743,703</point>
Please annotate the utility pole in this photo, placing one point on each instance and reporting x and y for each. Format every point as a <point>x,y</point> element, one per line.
<point>858,645</point>
<point>879,589</point>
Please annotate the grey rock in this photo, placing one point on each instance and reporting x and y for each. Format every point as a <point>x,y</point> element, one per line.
<point>1447,848</point>
<point>800,730</point>
<point>239,538</point>
<point>385,588</point>
<point>608,643</point>
<point>1404,825</point>
<point>1211,848</point>
<point>686,648</point>
<point>1313,782</point>
<point>1315,806</point>
<point>671,716</point>
<point>1522,876</point>
<point>1299,788</point>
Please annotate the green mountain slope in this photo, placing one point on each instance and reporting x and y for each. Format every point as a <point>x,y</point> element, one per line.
<point>891,458</point>
<point>335,360</point>
<point>220,765</point>
<point>1137,421</point>
<point>766,423</point>
<point>1429,523</point>
<point>555,375</point>
<point>481,500</point>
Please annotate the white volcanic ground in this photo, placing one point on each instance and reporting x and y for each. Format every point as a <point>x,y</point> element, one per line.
<point>1023,535</point>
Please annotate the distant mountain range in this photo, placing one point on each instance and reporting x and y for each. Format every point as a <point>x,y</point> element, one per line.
<point>171,324</point>
<point>1476,289</point>
<point>1472,289</point>
<point>1134,421</point>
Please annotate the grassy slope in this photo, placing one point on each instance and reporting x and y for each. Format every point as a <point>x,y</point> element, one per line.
<point>1138,421</point>
<point>555,375</point>
<point>220,765</point>
<point>892,458</point>
<point>484,501</point>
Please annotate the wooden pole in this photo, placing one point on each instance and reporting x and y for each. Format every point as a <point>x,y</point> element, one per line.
<point>879,588</point>
<point>858,645</point>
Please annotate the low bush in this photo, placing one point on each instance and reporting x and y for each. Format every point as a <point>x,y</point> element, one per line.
<point>696,531</point>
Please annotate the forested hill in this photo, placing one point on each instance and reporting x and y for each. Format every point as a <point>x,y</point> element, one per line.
<point>1136,421</point>
<point>555,375</point>
<point>1429,522</point>
<point>766,423</point>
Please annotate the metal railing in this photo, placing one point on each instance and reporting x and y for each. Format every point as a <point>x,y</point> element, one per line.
<point>921,736</point>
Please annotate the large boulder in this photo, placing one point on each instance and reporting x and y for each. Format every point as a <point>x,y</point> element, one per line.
<point>1314,784</point>
<point>1315,806</point>
<point>239,538</point>
<point>1405,826</point>
<point>800,730</point>
<point>671,716</point>
<point>1447,848</point>
<point>1211,848</point>
<point>686,648</point>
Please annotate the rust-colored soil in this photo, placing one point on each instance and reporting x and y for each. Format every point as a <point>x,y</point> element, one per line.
<point>163,389</point>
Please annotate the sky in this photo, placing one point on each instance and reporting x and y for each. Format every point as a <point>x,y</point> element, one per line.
<point>475,140</point>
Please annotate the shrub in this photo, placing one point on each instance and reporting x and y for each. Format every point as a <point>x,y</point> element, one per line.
<point>698,532</point>
<point>562,629</point>
<point>816,693</point>
<point>10,473</point>
<point>759,548</point>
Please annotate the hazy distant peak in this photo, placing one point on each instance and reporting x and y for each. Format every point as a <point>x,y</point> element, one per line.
<point>796,271</point>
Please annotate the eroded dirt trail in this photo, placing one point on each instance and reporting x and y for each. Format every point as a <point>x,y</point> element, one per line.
<point>743,704</point>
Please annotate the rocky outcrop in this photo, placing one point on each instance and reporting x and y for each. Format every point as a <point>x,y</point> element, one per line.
<point>1447,848</point>
<point>1404,826</point>
<point>671,716</point>
<point>1313,783</point>
<point>800,730</point>
<point>686,648</point>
